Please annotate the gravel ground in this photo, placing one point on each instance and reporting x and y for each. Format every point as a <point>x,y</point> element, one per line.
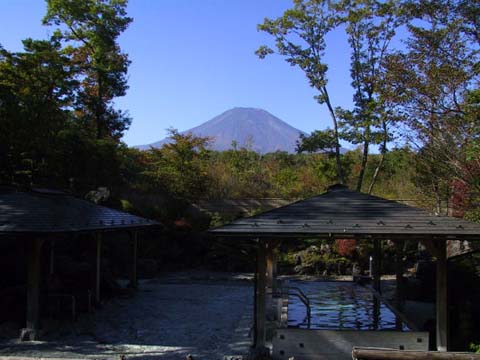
<point>203,315</point>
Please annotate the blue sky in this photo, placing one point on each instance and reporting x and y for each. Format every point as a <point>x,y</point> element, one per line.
<point>194,59</point>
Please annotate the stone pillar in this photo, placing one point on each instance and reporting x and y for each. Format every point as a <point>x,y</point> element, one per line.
<point>442,301</point>
<point>133,270</point>
<point>34,252</point>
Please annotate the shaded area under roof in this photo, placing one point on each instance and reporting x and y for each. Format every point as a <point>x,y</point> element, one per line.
<point>54,212</point>
<point>341,213</point>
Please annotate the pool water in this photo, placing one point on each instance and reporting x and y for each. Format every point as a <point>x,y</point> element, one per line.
<point>341,306</point>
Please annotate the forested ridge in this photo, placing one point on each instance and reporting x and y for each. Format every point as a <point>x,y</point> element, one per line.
<point>61,129</point>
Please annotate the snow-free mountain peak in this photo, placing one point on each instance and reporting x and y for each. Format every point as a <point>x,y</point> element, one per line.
<point>252,127</point>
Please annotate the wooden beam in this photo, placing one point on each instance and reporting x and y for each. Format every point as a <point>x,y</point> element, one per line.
<point>442,300</point>
<point>260,316</point>
<point>377,249</point>
<point>391,354</point>
<point>34,249</point>
<point>133,270</point>
<point>98,238</point>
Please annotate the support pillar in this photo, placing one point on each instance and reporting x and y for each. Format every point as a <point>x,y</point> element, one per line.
<point>442,301</point>
<point>377,248</point>
<point>399,281</point>
<point>34,268</point>
<point>133,271</point>
<point>260,314</point>
<point>52,258</point>
<point>98,238</point>
<point>271,279</point>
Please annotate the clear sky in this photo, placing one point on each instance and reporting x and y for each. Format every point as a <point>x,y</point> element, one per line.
<point>194,59</point>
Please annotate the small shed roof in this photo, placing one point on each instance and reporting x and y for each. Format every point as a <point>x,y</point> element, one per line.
<point>55,212</point>
<point>341,213</point>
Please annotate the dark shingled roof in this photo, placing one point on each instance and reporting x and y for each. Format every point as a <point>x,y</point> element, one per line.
<point>49,211</point>
<point>341,213</point>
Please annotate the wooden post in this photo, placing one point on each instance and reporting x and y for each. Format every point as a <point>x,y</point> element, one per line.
<point>438,248</point>
<point>442,301</point>
<point>52,258</point>
<point>399,273</point>
<point>376,313</point>
<point>377,265</point>
<point>34,249</point>
<point>275,271</point>
<point>133,272</point>
<point>269,279</point>
<point>255,287</point>
<point>260,340</point>
<point>98,237</point>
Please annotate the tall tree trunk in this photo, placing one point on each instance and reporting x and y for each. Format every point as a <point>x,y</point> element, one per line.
<point>382,158</point>
<point>340,178</point>
<point>366,145</point>
<point>375,174</point>
<point>99,108</point>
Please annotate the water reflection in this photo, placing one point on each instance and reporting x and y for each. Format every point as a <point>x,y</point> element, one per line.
<point>341,305</point>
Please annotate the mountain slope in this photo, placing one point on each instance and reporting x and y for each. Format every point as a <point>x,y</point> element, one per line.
<point>256,128</point>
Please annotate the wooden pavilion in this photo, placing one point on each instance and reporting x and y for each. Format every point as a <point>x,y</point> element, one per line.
<point>341,213</point>
<point>41,217</point>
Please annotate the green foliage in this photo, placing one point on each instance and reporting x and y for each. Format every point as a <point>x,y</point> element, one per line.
<point>474,347</point>
<point>91,28</point>
<point>318,140</point>
<point>473,215</point>
<point>432,85</point>
<point>36,88</point>
<point>179,167</point>
<point>299,36</point>
<point>59,126</point>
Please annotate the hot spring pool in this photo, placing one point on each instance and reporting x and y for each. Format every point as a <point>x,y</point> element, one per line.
<point>341,306</point>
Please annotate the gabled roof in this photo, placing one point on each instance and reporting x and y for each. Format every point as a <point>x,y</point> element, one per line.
<point>56,212</point>
<point>341,212</point>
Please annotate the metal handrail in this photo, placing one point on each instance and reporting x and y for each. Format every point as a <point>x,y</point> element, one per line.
<point>307,300</point>
<point>301,296</point>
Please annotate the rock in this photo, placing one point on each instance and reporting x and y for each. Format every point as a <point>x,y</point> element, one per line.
<point>356,270</point>
<point>28,335</point>
<point>100,195</point>
<point>325,249</point>
<point>298,260</point>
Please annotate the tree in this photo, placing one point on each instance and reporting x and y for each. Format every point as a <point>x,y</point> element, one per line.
<point>370,26</point>
<point>299,36</point>
<point>346,247</point>
<point>91,28</point>
<point>36,92</point>
<point>323,141</point>
<point>433,85</point>
<point>179,167</point>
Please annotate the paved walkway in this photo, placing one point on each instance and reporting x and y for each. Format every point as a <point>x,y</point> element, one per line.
<point>168,318</point>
